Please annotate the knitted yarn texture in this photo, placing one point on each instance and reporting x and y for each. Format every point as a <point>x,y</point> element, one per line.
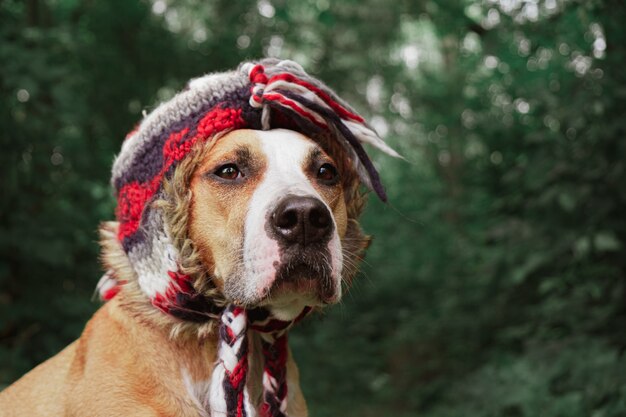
<point>258,95</point>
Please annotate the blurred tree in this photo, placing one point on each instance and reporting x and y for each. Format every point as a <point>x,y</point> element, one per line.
<point>496,282</point>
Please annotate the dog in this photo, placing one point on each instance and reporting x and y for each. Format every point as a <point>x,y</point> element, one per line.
<point>253,229</point>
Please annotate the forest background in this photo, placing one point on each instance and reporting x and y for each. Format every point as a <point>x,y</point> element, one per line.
<point>496,284</point>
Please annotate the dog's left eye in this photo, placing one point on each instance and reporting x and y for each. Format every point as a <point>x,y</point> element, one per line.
<point>327,173</point>
<point>228,172</point>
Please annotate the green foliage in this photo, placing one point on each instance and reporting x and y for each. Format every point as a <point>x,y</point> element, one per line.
<point>496,282</point>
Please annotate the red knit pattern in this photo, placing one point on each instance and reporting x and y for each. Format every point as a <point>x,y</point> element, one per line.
<point>179,283</point>
<point>219,120</point>
<point>133,197</point>
<point>173,150</point>
<point>131,200</point>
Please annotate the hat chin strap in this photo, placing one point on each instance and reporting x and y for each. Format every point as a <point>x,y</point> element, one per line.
<point>229,394</point>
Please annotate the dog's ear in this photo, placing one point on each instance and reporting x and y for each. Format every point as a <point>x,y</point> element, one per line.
<point>355,242</point>
<point>176,207</point>
<point>112,253</point>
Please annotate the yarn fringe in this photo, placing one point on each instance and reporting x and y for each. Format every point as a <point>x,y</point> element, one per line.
<point>302,97</point>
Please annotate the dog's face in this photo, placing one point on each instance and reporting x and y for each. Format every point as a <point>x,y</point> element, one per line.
<point>268,216</point>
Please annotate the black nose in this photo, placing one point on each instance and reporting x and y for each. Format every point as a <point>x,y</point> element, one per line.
<point>304,220</point>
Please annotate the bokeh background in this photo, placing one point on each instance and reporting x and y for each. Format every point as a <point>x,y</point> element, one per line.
<point>496,284</point>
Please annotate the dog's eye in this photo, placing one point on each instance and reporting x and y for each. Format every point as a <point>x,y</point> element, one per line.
<point>228,172</point>
<point>327,174</point>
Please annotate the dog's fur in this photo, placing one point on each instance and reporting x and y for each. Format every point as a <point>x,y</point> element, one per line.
<point>132,359</point>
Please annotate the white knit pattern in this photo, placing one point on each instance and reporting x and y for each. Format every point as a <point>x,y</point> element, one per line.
<point>153,261</point>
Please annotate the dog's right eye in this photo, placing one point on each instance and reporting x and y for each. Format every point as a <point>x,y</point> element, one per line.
<point>328,174</point>
<point>228,172</point>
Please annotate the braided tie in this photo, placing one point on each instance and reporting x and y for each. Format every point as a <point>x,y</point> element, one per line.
<point>274,376</point>
<point>229,395</point>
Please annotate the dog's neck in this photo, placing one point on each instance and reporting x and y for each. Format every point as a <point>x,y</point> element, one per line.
<point>202,368</point>
<point>183,362</point>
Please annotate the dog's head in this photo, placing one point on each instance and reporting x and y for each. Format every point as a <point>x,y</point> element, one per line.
<point>221,200</point>
<point>269,218</point>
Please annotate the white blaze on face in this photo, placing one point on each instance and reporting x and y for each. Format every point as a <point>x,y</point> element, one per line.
<point>286,154</point>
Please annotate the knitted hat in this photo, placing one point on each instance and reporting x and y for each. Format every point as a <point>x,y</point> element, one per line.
<point>261,95</point>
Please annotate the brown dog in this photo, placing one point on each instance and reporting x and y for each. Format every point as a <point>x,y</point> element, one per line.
<point>270,216</point>
<point>231,226</point>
